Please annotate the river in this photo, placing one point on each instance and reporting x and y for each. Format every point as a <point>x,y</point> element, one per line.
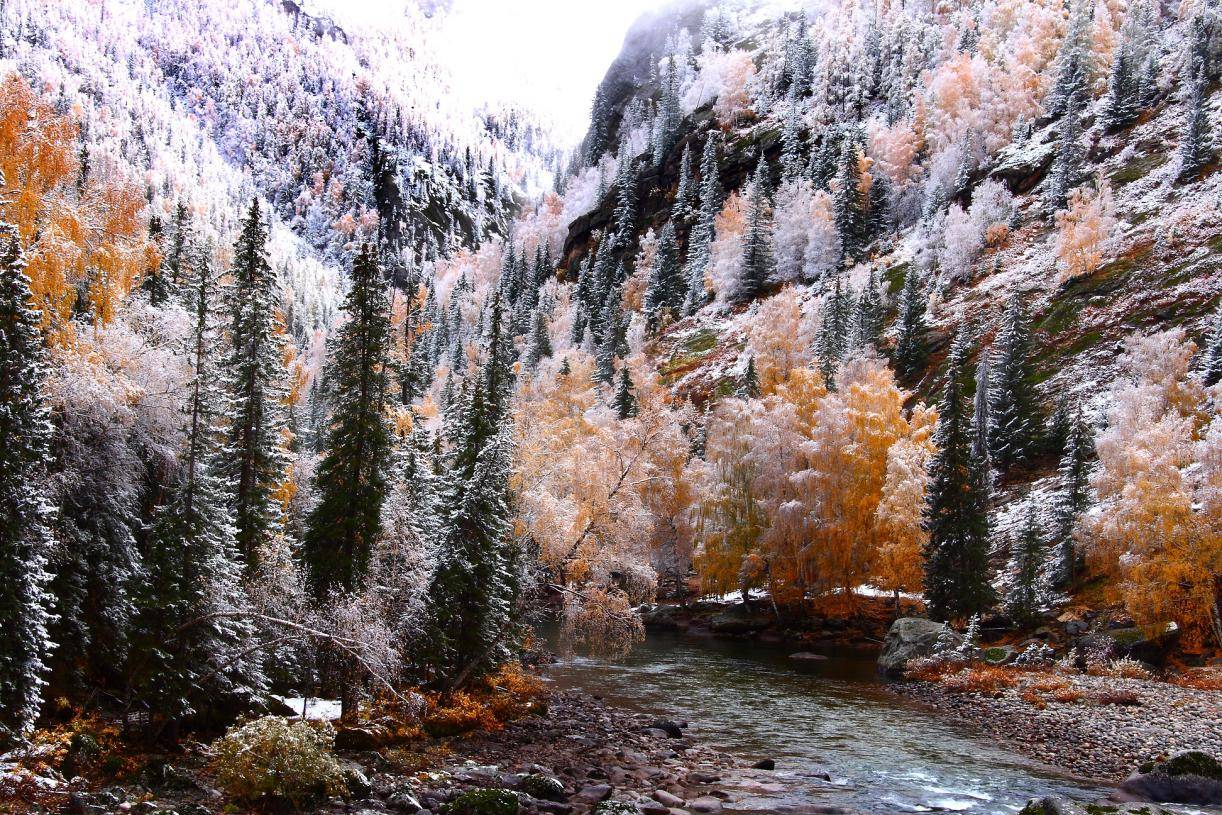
<point>884,753</point>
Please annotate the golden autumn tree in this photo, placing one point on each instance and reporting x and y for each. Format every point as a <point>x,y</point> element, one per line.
<point>1157,536</point>
<point>80,235</point>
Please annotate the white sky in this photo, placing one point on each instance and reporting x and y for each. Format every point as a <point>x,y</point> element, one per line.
<point>547,55</point>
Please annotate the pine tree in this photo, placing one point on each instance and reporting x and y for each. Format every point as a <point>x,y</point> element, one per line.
<point>686,191</point>
<point>1123,101</point>
<point>1067,167</point>
<point>1070,87</point>
<point>538,343</point>
<point>702,231</point>
<point>836,331</point>
<point>758,264</point>
<point>670,114</point>
<point>1195,143</point>
<point>599,135</point>
<point>155,283</point>
<point>473,594</point>
<point>850,214</point>
<point>190,643</point>
<point>980,414</point>
<point>1074,495</point>
<point>868,326</point>
<point>180,240</point>
<point>911,348</point>
<point>956,512</point>
<point>625,203</point>
<point>612,343</point>
<point>750,388</point>
<point>1024,596</point>
<point>664,294</point>
<point>256,371</point>
<point>351,480</point>
<point>25,511</point>
<point>791,138</point>
<point>1213,352</point>
<point>625,397</point>
<point>1014,419</point>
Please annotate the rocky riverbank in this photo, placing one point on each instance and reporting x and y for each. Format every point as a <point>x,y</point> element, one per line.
<point>1095,726</point>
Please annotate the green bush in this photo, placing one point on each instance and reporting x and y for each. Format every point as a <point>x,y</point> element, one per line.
<point>483,802</point>
<point>272,759</point>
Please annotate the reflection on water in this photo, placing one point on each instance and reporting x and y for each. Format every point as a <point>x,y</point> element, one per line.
<point>884,754</point>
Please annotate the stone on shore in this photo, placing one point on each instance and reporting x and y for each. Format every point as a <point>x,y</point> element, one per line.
<point>807,656</point>
<point>1055,805</point>
<point>1191,777</point>
<point>909,638</point>
<point>739,619</point>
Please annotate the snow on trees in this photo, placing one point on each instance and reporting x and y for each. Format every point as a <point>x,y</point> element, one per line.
<point>1085,229</point>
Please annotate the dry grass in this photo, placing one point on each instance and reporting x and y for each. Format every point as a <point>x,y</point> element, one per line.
<point>508,694</point>
<point>1124,698</point>
<point>1209,679</point>
<point>979,679</point>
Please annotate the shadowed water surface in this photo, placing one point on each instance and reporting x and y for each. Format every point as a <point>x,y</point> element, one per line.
<point>885,754</point>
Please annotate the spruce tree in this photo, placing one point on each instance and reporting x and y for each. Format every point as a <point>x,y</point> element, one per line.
<point>1195,142</point>
<point>956,511</point>
<point>473,594</point>
<point>664,294</point>
<point>1014,419</point>
<point>156,284</point>
<point>191,644</point>
<point>911,348</point>
<point>758,264</point>
<point>625,203</point>
<point>685,191</point>
<point>868,326</point>
<point>1070,86</point>
<point>670,114</point>
<point>836,331</point>
<point>1213,352</point>
<point>702,231</point>
<point>847,203</point>
<point>1123,101</point>
<point>750,388</point>
<point>625,397</point>
<point>351,480</point>
<point>25,511</point>
<point>538,342</point>
<point>612,342</point>
<point>1074,495</point>
<point>179,242</point>
<point>791,138</point>
<point>256,463</point>
<point>1067,167</point>
<point>1027,556</point>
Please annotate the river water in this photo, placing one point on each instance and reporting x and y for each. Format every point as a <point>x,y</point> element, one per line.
<point>885,754</point>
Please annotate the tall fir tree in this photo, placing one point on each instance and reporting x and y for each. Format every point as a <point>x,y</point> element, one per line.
<point>25,509</point>
<point>911,347</point>
<point>1014,414</point>
<point>665,291</point>
<point>847,204</point>
<point>758,265</point>
<point>1196,146</point>
<point>685,191</point>
<point>792,164</point>
<point>1213,351</point>
<point>1123,101</point>
<point>538,342</point>
<point>868,322</point>
<point>351,480</point>
<point>625,403</point>
<point>750,388</point>
<point>702,231</point>
<point>1074,496</point>
<point>956,510</point>
<point>180,241</point>
<point>156,283</point>
<point>255,367</point>
<point>1067,166</point>
<point>835,330</point>
<point>625,202</point>
<point>1027,556</point>
<point>473,594</point>
<point>1070,87</point>
<point>191,642</point>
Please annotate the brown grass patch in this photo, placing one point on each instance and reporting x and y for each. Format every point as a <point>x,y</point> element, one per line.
<point>979,679</point>
<point>1199,679</point>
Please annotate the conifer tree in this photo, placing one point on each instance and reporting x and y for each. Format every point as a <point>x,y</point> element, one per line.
<point>850,214</point>
<point>836,331</point>
<point>911,349</point>
<point>191,644</point>
<point>868,326</point>
<point>791,138</point>
<point>179,242</point>
<point>1067,167</point>
<point>980,415</point>
<point>685,192</point>
<point>664,294</point>
<point>1213,352</point>
<point>473,593</point>
<point>1074,495</point>
<point>255,367</point>
<point>1022,603</point>
<point>702,231</point>
<point>625,203</point>
<point>352,477</point>
<point>1195,143</point>
<point>625,397</point>
<point>155,283</point>
<point>25,511</point>
<point>758,264</point>
<point>751,381</point>
<point>956,512</point>
<point>670,114</point>
<point>1123,101</point>
<point>538,343</point>
<point>1070,85</point>
<point>1014,419</point>
<point>612,343</point>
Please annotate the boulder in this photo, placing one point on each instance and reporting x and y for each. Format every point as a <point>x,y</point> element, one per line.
<point>1000,654</point>
<point>764,764</point>
<point>1055,805</point>
<point>660,618</point>
<point>358,785</point>
<point>1022,165</point>
<point>671,729</point>
<point>1192,777</point>
<point>484,802</point>
<point>1135,644</point>
<point>807,656</point>
<point>909,638</point>
<point>543,787</point>
<point>739,619</point>
<point>593,794</point>
<point>361,737</point>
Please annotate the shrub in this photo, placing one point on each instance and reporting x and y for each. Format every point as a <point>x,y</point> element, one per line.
<point>1035,655</point>
<point>512,692</point>
<point>1126,668</point>
<point>981,679</point>
<point>459,713</point>
<point>483,802</point>
<point>1199,679</point>
<point>272,759</point>
<point>1067,695</point>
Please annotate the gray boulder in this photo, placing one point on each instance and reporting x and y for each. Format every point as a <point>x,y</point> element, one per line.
<point>738,619</point>
<point>909,638</point>
<point>1055,805</point>
<point>1192,777</point>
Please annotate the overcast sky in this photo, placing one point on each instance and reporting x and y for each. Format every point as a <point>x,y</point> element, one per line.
<point>547,54</point>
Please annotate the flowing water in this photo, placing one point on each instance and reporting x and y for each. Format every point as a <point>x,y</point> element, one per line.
<point>885,754</point>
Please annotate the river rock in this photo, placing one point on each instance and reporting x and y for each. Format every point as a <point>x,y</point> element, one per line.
<point>671,729</point>
<point>764,764</point>
<point>909,638</point>
<point>1191,777</point>
<point>1055,805</point>
<point>661,617</point>
<point>739,619</point>
<point>807,656</point>
<point>667,799</point>
<point>593,794</point>
<point>705,803</point>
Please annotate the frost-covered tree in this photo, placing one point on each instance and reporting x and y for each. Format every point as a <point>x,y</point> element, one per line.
<point>1014,416</point>
<point>538,342</point>
<point>669,116</point>
<point>792,164</point>
<point>351,480</point>
<point>192,635</point>
<point>1196,145</point>
<point>665,292</point>
<point>1213,351</point>
<point>685,191</point>
<point>868,321</point>
<point>1027,556</point>
<point>156,284</point>
<point>1123,101</point>
<point>625,403</point>
<point>1071,83</point>
<point>758,265</point>
<point>911,348</point>
<point>256,373</point>
<point>956,511</point>
<point>851,216</point>
<point>836,330</point>
<point>625,213</point>
<point>25,511</point>
<point>1074,495</point>
<point>702,231</point>
<point>1067,166</point>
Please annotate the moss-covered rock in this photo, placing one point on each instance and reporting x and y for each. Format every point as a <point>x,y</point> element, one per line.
<point>1192,777</point>
<point>543,787</point>
<point>615,808</point>
<point>483,802</point>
